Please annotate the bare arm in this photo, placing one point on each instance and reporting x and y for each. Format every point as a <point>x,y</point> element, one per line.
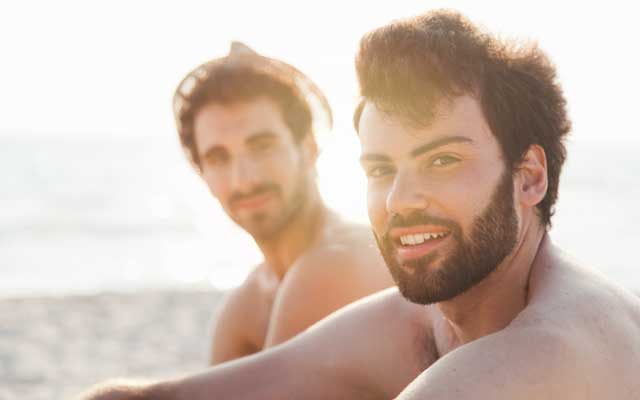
<point>333,359</point>
<point>273,374</point>
<point>230,340</point>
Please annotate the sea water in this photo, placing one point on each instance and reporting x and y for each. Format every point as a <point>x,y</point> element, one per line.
<point>80,215</point>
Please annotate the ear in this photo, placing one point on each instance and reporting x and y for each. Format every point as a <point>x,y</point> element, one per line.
<point>309,149</point>
<point>531,178</point>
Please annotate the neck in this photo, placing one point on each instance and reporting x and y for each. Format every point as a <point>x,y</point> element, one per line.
<point>493,303</point>
<point>282,249</point>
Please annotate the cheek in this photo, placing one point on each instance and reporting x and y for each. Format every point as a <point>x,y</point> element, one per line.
<point>471,194</point>
<point>217,183</point>
<point>462,197</point>
<point>376,206</point>
<point>282,167</point>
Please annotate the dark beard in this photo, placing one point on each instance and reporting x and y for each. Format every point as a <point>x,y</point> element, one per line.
<point>493,237</point>
<point>266,227</point>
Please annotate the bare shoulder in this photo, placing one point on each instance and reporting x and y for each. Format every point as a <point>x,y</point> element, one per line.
<point>345,248</point>
<point>522,363</point>
<point>565,294</point>
<point>343,266</point>
<point>592,322</point>
<point>575,339</point>
<point>251,291</point>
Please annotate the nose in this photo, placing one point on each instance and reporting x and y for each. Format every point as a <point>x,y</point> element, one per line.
<point>245,174</point>
<point>407,195</point>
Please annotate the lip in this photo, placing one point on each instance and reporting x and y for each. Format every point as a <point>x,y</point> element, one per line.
<point>407,253</point>
<point>395,233</point>
<point>253,202</point>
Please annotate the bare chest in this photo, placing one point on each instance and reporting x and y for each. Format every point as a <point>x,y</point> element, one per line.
<point>260,316</point>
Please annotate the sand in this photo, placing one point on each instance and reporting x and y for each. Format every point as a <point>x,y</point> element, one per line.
<point>53,348</point>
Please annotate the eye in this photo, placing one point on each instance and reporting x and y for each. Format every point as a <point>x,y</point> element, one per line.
<point>262,145</point>
<point>379,171</point>
<point>444,160</point>
<point>216,159</point>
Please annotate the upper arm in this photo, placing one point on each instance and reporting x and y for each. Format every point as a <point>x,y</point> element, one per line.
<point>528,364</point>
<point>318,285</point>
<point>332,360</point>
<point>230,338</point>
<point>328,361</point>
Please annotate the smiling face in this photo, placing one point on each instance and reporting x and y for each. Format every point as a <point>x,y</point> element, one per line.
<point>439,197</point>
<point>252,165</point>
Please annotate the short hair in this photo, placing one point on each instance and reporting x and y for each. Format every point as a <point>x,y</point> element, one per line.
<point>242,76</point>
<point>407,67</point>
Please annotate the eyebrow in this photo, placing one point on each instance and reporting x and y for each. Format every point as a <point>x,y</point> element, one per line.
<point>214,150</point>
<point>439,143</point>
<point>261,135</point>
<point>218,149</point>
<point>421,149</point>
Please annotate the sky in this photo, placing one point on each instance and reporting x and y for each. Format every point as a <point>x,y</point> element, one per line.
<point>95,68</point>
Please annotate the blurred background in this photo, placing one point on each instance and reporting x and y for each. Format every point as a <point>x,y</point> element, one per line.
<point>113,256</point>
<point>95,194</point>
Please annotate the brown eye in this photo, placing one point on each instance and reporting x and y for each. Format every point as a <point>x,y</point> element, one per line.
<point>379,171</point>
<point>263,146</point>
<point>216,159</point>
<point>442,161</point>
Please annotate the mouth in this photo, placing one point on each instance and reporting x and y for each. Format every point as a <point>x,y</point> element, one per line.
<point>254,202</point>
<point>412,243</point>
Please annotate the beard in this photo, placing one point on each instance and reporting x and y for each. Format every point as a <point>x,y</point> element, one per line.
<point>493,237</point>
<point>263,225</point>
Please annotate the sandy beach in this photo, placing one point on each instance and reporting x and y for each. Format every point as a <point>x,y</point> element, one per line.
<point>53,348</point>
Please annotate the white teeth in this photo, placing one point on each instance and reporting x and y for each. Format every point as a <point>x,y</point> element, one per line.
<point>408,240</point>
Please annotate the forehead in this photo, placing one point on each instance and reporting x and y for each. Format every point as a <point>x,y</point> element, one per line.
<point>226,124</point>
<point>385,134</point>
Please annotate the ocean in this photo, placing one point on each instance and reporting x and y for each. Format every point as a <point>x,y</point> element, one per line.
<point>83,215</point>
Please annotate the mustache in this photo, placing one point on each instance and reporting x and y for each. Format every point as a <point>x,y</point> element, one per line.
<point>256,191</point>
<point>418,218</point>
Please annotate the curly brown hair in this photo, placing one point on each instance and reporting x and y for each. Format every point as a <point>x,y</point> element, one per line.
<point>244,75</point>
<point>407,67</point>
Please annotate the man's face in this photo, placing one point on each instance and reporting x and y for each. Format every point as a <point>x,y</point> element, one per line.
<point>251,164</point>
<point>440,199</point>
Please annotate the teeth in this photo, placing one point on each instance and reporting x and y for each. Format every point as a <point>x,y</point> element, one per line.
<point>409,240</point>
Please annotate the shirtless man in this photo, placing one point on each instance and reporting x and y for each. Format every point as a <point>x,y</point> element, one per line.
<point>462,142</point>
<point>246,122</point>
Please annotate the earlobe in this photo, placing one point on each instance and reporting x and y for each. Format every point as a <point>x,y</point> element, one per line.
<point>533,176</point>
